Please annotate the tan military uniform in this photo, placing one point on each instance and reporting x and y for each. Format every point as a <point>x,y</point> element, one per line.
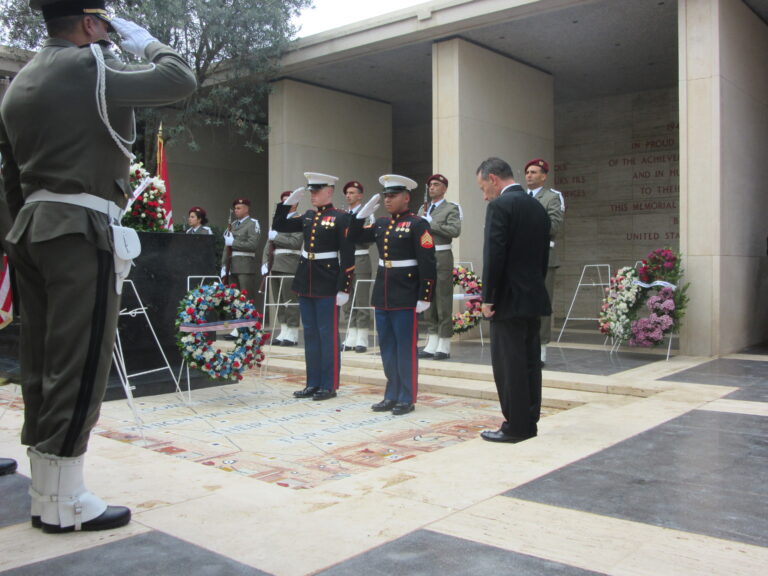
<point>553,203</point>
<point>287,251</point>
<point>445,225</point>
<point>361,319</point>
<point>199,230</point>
<point>52,138</point>
<point>244,262</point>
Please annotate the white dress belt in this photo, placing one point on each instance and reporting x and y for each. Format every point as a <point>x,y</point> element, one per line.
<point>361,252</point>
<point>85,200</point>
<point>441,247</point>
<point>398,263</point>
<point>319,255</point>
<point>248,254</point>
<point>286,251</point>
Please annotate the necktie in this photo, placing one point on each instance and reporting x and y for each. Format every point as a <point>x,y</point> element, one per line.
<point>237,224</point>
<point>431,209</point>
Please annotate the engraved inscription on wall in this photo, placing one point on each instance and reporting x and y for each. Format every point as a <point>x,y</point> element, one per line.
<point>617,165</point>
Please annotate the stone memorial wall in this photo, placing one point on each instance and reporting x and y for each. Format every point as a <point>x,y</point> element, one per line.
<point>617,166</point>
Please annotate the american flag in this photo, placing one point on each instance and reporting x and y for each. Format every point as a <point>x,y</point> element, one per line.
<point>6,297</point>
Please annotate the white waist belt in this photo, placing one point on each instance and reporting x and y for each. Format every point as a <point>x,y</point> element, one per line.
<point>319,255</point>
<point>248,254</point>
<point>361,252</point>
<point>286,251</point>
<point>398,263</point>
<point>551,244</point>
<point>441,247</point>
<point>85,200</point>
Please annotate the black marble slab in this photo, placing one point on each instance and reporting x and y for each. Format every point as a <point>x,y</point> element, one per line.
<point>750,376</point>
<point>703,472</point>
<point>14,499</point>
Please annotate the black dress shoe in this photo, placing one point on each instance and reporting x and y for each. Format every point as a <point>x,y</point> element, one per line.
<point>287,343</point>
<point>306,393</point>
<point>324,394</point>
<point>112,517</point>
<point>400,409</point>
<point>499,436</point>
<point>425,354</point>
<point>7,466</point>
<point>441,356</point>
<point>383,406</point>
<point>277,342</point>
<point>361,349</point>
<point>348,348</point>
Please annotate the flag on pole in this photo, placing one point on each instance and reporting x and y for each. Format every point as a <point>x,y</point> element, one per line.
<point>6,297</point>
<point>162,173</point>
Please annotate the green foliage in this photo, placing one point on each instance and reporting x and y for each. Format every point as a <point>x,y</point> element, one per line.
<point>234,47</point>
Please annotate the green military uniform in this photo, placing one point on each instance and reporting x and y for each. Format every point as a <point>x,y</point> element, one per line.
<point>52,138</point>
<point>244,265</point>
<point>360,319</point>
<point>200,230</point>
<point>286,251</point>
<point>446,225</point>
<point>553,203</point>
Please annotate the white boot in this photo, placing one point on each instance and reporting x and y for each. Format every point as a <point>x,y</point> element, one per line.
<point>35,488</point>
<point>351,340</point>
<point>291,336</point>
<point>361,344</point>
<point>543,354</point>
<point>67,505</point>
<point>281,335</point>
<point>443,349</point>
<point>430,348</point>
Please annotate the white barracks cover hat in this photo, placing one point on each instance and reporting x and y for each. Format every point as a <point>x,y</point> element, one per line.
<point>396,183</point>
<point>317,180</point>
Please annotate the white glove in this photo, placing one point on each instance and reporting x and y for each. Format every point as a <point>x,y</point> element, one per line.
<point>223,272</point>
<point>421,306</point>
<point>272,234</point>
<point>264,269</point>
<point>427,217</point>
<point>135,38</point>
<point>369,208</point>
<point>295,196</point>
<point>342,298</point>
<point>228,239</point>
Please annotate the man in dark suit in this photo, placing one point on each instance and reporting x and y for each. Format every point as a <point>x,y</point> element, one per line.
<point>515,256</point>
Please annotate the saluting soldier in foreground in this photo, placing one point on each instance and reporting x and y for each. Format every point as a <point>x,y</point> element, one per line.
<point>405,283</point>
<point>322,280</point>
<point>65,163</point>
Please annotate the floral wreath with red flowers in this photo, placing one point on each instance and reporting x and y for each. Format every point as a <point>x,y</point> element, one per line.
<point>147,213</point>
<point>193,326</point>
<point>473,289</point>
<point>655,285</point>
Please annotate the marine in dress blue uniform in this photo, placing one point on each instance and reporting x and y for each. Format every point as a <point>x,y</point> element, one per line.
<point>322,281</point>
<point>404,286</point>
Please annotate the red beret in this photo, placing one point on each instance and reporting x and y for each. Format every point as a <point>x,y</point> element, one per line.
<point>540,163</point>
<point>285,194</point>
<point>241,201</point>
<point>198,210</point>
<point>353,184</point>
<point>439,177</point>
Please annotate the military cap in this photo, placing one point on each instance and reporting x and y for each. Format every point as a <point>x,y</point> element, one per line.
<point>540,163</point>
<point>241,201</point>
<point>316,180</point>
<point>353,184</point>
<point>198,210</point>
<point>439,177</point>
<point>59,8</point>
<point>394,183</point>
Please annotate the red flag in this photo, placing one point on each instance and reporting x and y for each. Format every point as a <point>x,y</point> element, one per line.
<point>162,173</point>
<point>6,297</point>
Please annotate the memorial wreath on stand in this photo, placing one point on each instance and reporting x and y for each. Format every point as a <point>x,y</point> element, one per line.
<point>147,213</point>
<point>655,285</point>
<point>193,326</point>
<point>472,297</point>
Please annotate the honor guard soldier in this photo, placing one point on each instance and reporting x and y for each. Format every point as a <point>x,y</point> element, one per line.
<point>536,172</point>
<point>445,222</point>
<point>322,280</point>
<point>242,237</point>
<point>404,286</point>
<point>360,323</point>
<point>281,258</point>
<point>65,123</point>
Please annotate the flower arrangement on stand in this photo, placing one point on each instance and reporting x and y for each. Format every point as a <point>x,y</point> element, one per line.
<point>193,327</point>
<point>473,289</point>
<point>657,285</point>
<point>147,213</point>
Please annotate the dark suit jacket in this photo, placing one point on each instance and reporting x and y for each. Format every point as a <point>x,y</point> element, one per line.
<point>515,256</point>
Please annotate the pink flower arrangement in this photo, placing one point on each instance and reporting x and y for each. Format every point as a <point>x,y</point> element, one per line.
<point>473,289</point>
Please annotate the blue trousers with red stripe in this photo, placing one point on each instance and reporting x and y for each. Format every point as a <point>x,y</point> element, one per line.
<point>320,317</point>
<point>397,331</point>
